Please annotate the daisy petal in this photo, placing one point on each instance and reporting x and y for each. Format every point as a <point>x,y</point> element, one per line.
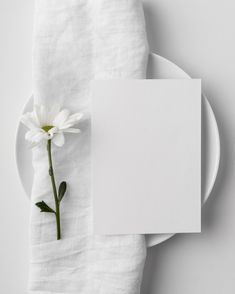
<point>58,139</point>
<point>43,115</point>
<point>29,121</point>
<point>39,137</point>
<point>54,110</point>
<point>60,118</point>
<point>74,118</point>
<point>72,130</point>
<point>35,136</point>
<point>28,136</point>
<point>71,121</point>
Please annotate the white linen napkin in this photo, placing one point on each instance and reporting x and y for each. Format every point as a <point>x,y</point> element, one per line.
<point>76,41</point>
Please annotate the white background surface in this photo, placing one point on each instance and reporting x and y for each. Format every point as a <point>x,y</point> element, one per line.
<point>199,37</point>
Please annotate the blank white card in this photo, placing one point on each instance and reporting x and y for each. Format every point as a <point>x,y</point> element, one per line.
<point>146,156</point>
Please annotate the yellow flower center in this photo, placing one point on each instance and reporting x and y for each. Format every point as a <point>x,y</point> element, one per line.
<point>47,128</point>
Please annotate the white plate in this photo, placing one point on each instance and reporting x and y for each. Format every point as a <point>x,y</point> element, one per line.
<point>158,67</point>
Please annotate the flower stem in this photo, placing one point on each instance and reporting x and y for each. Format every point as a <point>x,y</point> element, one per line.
<point>53,183</point>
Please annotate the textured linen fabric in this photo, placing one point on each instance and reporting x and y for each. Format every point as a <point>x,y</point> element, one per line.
<point>76,41</point>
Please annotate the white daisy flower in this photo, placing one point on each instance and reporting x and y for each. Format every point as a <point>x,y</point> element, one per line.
<point>49,124</point>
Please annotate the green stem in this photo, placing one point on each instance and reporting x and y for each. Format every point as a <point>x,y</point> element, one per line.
<point>53,183</point>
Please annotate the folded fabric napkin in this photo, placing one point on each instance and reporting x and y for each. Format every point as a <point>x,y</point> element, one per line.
<point>76,41</point>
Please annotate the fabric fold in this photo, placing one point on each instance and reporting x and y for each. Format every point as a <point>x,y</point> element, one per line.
<point>76,41</point>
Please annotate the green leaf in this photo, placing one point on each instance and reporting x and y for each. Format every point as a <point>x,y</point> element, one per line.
<point>44,207</point>
<point>62,190</point>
